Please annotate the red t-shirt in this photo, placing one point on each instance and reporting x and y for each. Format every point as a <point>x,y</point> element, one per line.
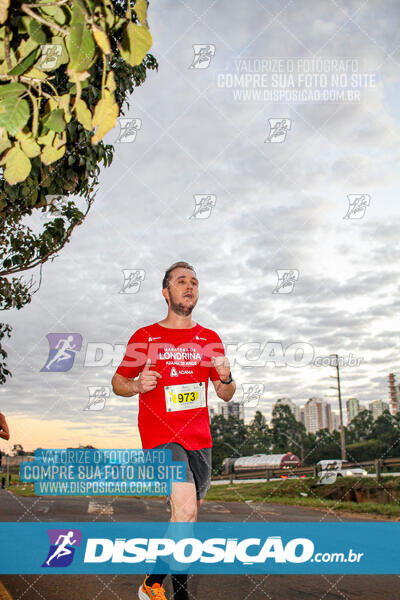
<point>181,356</point>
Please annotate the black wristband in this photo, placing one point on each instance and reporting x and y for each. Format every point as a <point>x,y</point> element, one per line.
<point>229,380</point>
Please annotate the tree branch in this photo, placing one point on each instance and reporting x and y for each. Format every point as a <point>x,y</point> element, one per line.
<point>31,13</point>
<point>44,258</point>
<point>7,49</point>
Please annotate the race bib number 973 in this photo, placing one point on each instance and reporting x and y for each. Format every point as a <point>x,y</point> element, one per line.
<point>185,396</point>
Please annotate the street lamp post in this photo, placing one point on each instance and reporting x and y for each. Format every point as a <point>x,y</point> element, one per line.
<point>342,436</point>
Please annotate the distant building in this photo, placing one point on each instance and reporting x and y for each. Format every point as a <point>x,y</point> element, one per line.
<point>211,412</point>
<point>292,405</point>
<point>335,421</point>
<point>377,407</point>
<point>232,409</point>
<point>318,415</point>
<point>15,461</point>
<point>353,408</point>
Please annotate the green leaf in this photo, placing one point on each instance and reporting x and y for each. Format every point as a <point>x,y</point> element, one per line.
<point>140,9</point>
<point>110,16</point>
<point>18,165</point>
<point>56,12</point>
<point>14,114</point>
<point>110,82</point>
<point>4,143</point>
<point>12,89</point>
<point>84,115</point>
<point>105,115</point>
<point>36,73</point>
<point>55,120</point>
<point>36,32</point>
<point>135,44</point>
<point>50,154</point>
<point>101,39</point>
<point>80,42</point>
<point>47,138</point>
<point>3,63</point>
<point>24,65</point>
<point>27,46</point>
<point>4,5</point>
<point>30,147</point>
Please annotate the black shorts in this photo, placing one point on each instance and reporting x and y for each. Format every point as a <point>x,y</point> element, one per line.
<point>198,465</point>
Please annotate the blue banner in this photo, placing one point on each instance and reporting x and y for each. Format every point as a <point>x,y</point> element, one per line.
<point>208,548</point>
<point>102,472</point>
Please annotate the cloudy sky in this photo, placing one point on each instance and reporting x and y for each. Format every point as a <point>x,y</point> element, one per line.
<point>277,205</point>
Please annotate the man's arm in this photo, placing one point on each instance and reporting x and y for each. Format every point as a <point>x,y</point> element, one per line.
<point>225,391</point>
<point>4,431</point>
<point>147,381</point>
<point>122,386</point>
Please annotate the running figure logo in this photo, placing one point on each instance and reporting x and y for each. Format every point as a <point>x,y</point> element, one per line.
<point>62,351</point>
<point>132,280</point>
<point>128,129</point>
<point>278,129</point>
<point>203,203</point>
<point>286,281</point>
<point>203,54</point>
<point>51,54</point>
<point>357,206</point>
<point>252,394</point>
<point>62,547</point>
<point>97,397</point>
<point>53,206</point>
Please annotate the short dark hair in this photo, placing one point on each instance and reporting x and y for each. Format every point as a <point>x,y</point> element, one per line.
<point>167,276</point>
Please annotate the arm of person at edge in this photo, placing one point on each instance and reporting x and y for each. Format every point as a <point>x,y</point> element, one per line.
<point>147,380</point>
<point>224,391</point>
<point>4,431</point>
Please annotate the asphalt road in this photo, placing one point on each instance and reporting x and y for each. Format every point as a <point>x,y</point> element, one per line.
<point>201,587</point>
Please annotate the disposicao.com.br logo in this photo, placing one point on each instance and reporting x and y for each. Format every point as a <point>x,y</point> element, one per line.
<point>120,547</point>
<point>178,553</point>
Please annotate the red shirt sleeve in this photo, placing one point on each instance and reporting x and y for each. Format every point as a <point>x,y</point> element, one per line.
<point>216,349</point>
<point>135,356</point>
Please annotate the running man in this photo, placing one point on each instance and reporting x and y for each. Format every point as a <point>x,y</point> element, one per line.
<point>174,359</point>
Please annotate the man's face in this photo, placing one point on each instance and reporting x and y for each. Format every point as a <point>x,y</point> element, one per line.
<point>183,291</point>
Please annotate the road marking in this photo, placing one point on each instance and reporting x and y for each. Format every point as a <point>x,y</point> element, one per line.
<point>99,508</point>
<point>43,509</point>
<point>219,508</point>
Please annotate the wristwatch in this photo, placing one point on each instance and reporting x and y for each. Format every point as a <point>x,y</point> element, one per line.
<point>229,380</point>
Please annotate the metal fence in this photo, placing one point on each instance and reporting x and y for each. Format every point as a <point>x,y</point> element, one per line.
<point>261,473</point>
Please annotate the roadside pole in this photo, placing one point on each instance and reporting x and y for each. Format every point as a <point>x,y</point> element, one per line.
<point>342,436</point>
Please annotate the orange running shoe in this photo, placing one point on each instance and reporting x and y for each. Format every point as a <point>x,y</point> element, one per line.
<point>155,592</point>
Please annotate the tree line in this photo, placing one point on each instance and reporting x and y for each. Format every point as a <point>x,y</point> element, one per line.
<point>366,438</point>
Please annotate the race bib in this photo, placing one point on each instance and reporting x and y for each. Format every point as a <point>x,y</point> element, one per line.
<point>185,396</point>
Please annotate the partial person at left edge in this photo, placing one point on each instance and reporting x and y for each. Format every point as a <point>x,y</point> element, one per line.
<point>4,431</point>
